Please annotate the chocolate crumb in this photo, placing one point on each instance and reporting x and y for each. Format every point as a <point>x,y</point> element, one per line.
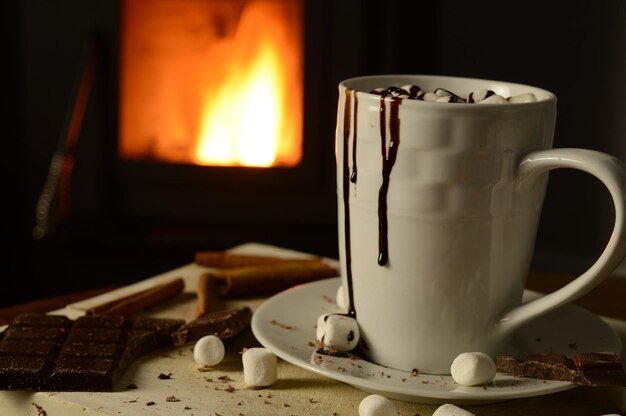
<point>313,401</point>
<point>204,369</point>
<point>187,408</point>
<point>165,376</point>
<point>229,389</point>
<point>415,372</point>
<point>132,386</point>
<point>283,326</point>
<point>267,402</point>
<point>286,405</point>
<point>311,344</point>
<point>171,399</point>
<point>150,403</point>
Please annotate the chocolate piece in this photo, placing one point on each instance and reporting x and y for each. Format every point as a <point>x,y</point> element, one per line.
<point>601,369</point>
<point>593,369</point>
<point>43,353</point>
<point>224,324</point>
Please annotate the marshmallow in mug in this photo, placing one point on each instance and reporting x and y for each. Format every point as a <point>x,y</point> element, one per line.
<point>337,332</point>
<point>442,95</point>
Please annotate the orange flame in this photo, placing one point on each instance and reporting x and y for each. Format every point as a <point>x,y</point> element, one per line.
<point>220,82</point>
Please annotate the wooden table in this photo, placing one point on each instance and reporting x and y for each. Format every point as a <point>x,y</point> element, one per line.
<point>298,391</point>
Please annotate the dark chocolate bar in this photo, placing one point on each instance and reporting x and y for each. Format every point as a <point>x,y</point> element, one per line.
<point>41,352</point>
<point>594,369</point>
<point>224,324</point>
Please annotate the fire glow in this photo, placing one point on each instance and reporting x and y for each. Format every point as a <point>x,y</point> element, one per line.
<point>212,82</point>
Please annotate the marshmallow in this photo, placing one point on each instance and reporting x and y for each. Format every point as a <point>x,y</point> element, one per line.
<point>493,99</point>
<point>376,405</point>
<point>430,96</point>
<point>478,96</point>
<point>209,350</point>
<point>528,97</point>
<point>399,93</point>
<point>337,332</point>
<point>412,89</point>
<point>451,410</point>
<point>473,368</point>
<point>259,367</point>
<point>341,299</point>
<point>441,92</point>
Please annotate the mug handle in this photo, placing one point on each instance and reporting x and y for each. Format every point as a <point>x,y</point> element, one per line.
<point>612,173</point>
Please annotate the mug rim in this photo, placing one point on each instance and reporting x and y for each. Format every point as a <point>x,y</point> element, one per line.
<point>543,95</point>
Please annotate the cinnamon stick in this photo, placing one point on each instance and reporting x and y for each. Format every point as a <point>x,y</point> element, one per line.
<point>139,301</point>
<point>208,298</point>
<point>227,260</point>
<point>262,280</point>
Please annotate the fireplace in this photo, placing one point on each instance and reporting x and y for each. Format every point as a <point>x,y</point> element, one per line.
<point>211,114</point>
<point>145,192</point>
<point>214,83</point>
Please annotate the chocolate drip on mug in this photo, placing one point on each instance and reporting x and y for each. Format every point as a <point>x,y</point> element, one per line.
<point>346,197</point>
<point>354,136</point>
<point>389,154</point>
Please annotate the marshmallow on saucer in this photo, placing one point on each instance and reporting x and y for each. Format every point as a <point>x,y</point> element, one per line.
<point>259,367</point>
<point>451,410</point>
<point>473,368</point>
<point>376,405</point>
<point>209,350</point>
<point>337,332</point>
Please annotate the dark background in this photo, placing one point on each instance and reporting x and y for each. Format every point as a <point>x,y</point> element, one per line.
<point>576,49</point>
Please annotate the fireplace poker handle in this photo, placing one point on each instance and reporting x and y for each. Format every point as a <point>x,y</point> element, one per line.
<point>54,201</point>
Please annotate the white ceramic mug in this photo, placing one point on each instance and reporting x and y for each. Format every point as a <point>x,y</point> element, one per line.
<point>438,209</point>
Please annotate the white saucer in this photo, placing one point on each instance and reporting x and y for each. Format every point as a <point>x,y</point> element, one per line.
<point>285,324</point>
